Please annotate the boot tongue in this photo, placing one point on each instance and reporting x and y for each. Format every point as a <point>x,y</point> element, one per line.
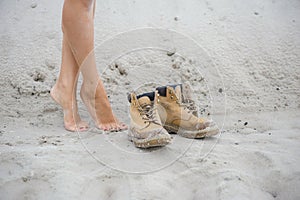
<point>146,105</point>
<point>178,92</point>
<point>184,92</point>
<point>144,101</point>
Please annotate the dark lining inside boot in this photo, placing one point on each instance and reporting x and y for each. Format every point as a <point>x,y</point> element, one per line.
<point>151,96</point>
<point>163,89</point>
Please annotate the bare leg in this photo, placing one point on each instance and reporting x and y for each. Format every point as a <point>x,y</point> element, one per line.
<point>64,90</point>
<point>78,26</point>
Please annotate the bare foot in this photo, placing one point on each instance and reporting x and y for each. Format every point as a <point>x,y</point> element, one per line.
<point>72,119</point>
<point>99,107</point>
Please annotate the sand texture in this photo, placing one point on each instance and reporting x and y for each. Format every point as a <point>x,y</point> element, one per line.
<point>242,60</point>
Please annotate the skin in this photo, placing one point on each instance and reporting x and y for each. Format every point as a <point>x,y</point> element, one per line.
<point>78,56</point>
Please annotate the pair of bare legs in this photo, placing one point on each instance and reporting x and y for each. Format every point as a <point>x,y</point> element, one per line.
<point>78,56</point>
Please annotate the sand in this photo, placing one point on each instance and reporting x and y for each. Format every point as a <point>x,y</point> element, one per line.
<point>242,60</point>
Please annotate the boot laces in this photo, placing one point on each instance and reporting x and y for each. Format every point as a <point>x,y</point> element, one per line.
<point>148,114</point>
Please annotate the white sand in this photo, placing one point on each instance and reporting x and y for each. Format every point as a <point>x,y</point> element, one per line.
<point>246,70</point>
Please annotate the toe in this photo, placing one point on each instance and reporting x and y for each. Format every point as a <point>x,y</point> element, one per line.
<point>101,127</point>
<point>112,127</point>
<point>83,126</point>
<point>72,128</point>
<point>104,127</point>
<point>119,127</point>
<point>123,126</point>
<point>116,126</point>
<point>69,128</point>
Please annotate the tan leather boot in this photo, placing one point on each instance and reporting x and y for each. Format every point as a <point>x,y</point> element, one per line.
<point>145,128</point>
<point>178,118</point>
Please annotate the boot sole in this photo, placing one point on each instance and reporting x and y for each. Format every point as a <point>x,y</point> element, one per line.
<point>207,132</point>
<point>158,140</point>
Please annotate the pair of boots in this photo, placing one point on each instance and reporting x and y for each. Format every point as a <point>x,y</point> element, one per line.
<point>169,109</point>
